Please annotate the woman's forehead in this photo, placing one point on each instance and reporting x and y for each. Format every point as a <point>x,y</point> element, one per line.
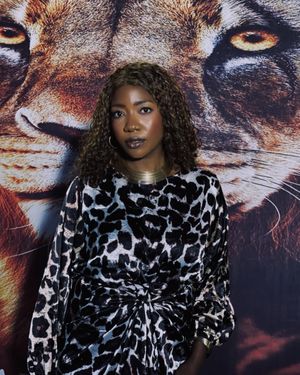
<point>131,93</point>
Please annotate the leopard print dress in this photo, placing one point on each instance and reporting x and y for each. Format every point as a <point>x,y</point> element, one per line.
<point>136,272</point>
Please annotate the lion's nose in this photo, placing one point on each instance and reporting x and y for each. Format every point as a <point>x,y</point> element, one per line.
<point>32,124</point>
<point>66,133</point>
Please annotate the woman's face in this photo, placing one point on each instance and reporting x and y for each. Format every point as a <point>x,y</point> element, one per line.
<point>137,125</point>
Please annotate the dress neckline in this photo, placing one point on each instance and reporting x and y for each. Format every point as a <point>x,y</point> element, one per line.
<point>119,174</point>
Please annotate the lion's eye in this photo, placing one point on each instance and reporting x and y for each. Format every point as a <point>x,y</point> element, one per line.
<point>254,40</point>
<point>11,35</point>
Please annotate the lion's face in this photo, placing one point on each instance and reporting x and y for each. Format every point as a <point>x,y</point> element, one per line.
<point>54,66</point>
<point>238,65</point>
<point>53,56</point>
<point>236,62</point>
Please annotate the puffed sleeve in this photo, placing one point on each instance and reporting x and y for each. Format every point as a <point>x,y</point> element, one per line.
<point>51,304</point>
<point>213,314</point>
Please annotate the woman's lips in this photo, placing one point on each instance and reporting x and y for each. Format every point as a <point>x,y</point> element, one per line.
<point>134,142</point>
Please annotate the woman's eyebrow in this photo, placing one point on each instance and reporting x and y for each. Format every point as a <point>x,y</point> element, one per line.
<point>135,103</point>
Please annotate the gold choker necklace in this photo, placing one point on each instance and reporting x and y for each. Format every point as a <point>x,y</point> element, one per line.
<point>143,177</point>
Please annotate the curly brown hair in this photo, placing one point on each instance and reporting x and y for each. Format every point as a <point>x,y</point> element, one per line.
<point>179,142</point>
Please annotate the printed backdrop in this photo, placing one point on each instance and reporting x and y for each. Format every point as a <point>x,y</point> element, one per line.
<point>238,63</point>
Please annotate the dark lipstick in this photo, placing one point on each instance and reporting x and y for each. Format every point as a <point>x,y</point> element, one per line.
<point>134,142</point>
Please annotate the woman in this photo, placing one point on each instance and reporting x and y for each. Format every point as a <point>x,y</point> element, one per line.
<point>137,278</point>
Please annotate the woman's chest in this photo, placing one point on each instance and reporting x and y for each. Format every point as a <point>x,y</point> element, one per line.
<point>137,230</point>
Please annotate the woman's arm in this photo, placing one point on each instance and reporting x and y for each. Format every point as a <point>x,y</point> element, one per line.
<point>194,363</point>
<point>50,307</point>
<point>213,315</point>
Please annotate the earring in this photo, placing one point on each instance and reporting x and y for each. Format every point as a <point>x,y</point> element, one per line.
<point>111,144</point>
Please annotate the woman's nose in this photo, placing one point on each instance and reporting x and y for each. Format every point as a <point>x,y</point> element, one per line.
<point>131,128</point>
<point>131,124</point>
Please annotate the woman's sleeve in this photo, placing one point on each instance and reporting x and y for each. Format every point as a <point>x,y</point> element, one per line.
<point>213,313</point>
<point>51,304</point>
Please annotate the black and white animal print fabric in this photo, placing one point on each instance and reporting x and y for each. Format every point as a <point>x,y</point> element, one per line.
<point>136,272</point>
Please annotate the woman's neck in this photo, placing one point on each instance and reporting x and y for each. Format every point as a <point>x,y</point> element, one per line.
<point>144,165</point>
<point>143,172</point>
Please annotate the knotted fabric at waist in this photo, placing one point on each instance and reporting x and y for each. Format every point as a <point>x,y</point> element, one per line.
<point>107,296</point>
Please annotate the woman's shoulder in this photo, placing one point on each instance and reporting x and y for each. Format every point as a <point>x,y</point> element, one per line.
<point>201,175</point>
<point>87,184</point>
<point>75,184</point>
<point>205,180</point>
<point>72,190</point>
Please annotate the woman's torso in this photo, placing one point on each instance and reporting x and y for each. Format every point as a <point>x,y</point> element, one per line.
<point>133,282</point>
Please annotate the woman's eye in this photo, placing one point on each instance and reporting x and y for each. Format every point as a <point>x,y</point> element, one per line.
<point>146,110</point>
<point>254,40</point>
<point>116,114</point>
<point>10,35</point>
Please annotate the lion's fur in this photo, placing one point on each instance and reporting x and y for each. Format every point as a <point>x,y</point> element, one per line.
<point>244,107</point>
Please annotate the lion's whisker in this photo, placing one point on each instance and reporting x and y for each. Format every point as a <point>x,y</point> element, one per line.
<point>268,186</point>
<point>280,187</point>
<point>278,214</point>
<point>26,252</point>
<point>258,184</point>
<point>20,227</point>
<point>245,150</point>
<point>291,187</point>
<point>263,165</point>
<point>278,182</point>
<point>293,183</point>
